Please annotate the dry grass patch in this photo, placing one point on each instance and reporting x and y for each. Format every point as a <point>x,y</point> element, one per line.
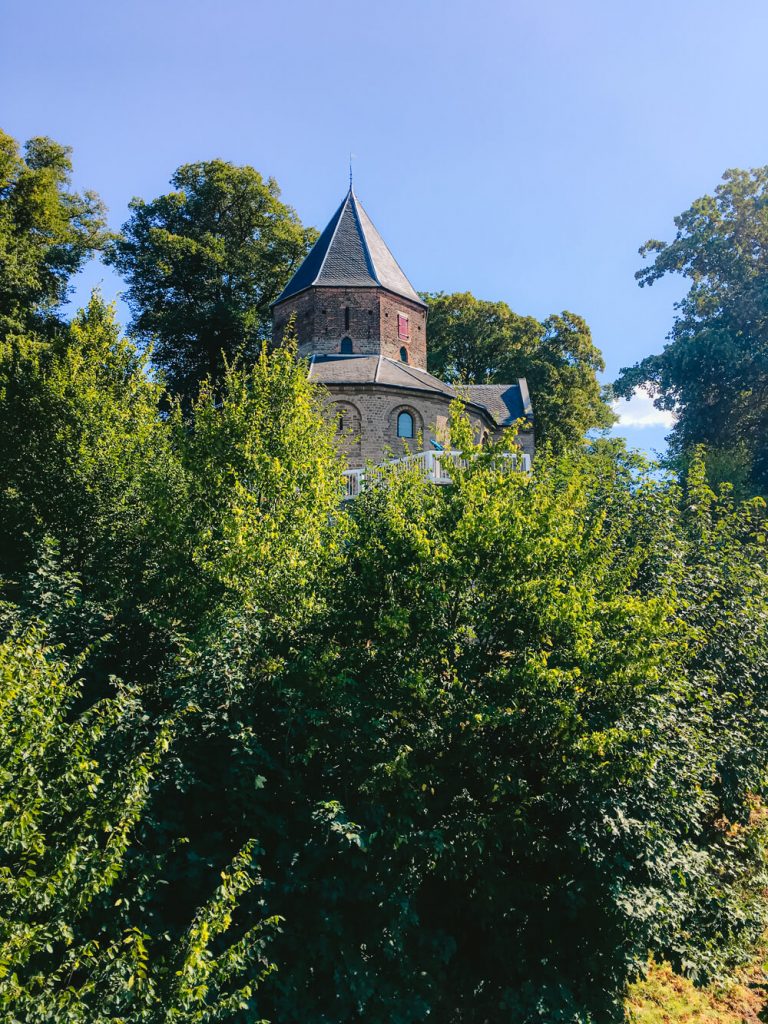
<point>664,997</point>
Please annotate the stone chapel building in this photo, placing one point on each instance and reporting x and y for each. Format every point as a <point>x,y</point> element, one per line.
<point>364,329</point>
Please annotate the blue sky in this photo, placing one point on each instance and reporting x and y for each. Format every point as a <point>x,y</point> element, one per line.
<point>521,150</point>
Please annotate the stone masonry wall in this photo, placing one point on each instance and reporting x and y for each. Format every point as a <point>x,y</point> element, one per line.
<point>376,408</point>
<point>303,306</point>
<point>527,442</point>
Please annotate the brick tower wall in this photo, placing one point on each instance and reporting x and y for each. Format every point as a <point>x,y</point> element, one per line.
<point>367,316</point>
<point>391,343</point>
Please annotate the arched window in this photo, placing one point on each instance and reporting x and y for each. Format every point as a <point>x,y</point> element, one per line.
<point>345,417</point>
<point>403,354</point>
<point>346,347</point>
<point>405,425</point>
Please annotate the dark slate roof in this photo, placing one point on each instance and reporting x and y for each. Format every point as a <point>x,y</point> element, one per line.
<point>355,369</point>
<point>505,402</point>
<point>350,253</point>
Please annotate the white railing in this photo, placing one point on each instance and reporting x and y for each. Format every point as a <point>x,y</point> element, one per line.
<point>435,466</point>
<point>353,482</point>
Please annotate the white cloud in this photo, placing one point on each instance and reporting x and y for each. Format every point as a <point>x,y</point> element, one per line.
<point>639,411</point>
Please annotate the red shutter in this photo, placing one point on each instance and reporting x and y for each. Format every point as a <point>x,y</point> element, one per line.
<point>402,326</point>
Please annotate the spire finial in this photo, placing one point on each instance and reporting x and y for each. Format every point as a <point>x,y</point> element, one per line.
<point>350,171</point>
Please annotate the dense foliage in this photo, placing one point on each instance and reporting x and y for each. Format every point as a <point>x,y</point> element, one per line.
<point>513,719</point>
<point>714,372</point>
<point>74,783</point>
<point>161,531</point>
<point>47,231</point>
<point>463,753</point>
<point>203,263</point>
<point>478,342</point>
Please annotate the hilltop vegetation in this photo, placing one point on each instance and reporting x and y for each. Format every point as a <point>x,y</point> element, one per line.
<point>466,753</point>
<point>476,342</point>
<point>713,373</point>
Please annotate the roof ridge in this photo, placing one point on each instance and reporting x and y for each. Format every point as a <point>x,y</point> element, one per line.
<point>392,257</point>
<point>412,368</point>
<point>409,372</point>
<point>363,238</point>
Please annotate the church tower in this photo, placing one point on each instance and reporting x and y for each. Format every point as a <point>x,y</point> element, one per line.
<point>363,328</point>
<point>349,296</point>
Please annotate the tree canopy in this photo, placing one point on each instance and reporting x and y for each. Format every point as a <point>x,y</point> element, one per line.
<point>203,263</point>
<point>141,533</point>
<point>713,373</point>
<point>47,231</point>
<point>481,342</point>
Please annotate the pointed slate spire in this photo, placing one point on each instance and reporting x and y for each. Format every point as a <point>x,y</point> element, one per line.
<point>350,253</point>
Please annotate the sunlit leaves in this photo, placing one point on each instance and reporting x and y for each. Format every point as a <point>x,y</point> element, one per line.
<point>203,263</point>
<point>713,373</point>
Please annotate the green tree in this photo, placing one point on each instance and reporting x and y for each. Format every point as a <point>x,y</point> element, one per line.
<point>179,524</point>
<point>82,444</point>
<point>74,787</point>
<point>203,263</point>
<point>714,372</point>
<point>47,231</point>
<point>262,482</point>
<point>481,342</point>
<point>166,518</point>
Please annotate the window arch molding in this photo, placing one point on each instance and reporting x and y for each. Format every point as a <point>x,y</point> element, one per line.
<point>348,424</point>
<point>346,417</point>
<point>405,423</point>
